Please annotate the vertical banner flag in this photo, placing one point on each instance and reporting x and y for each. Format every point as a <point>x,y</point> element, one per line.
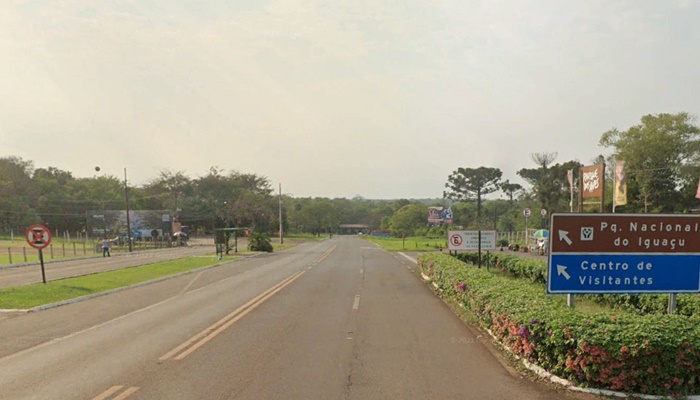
<point>570,177</point>
<point>698,193</point>
<point>620,196</point>
<point>592,180</point>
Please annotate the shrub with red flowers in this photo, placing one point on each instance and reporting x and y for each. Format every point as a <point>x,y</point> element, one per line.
<point>536,271</point>
<point>650,354</point>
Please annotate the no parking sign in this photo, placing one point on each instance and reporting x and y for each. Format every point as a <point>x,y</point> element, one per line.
<point>38,236</point>
<point>469,240</point>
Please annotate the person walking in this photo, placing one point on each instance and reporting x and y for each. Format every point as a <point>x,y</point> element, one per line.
<point>106,244</point>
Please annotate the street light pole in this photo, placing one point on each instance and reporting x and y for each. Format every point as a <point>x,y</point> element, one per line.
<point>128,222</point>
<point>280,204</point>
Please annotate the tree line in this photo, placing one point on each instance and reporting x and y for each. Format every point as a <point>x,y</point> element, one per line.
<point>662,169</point>
<point>662,163</point>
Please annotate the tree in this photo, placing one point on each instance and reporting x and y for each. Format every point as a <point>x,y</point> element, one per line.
<point>550,185</point>
<point>408,219</point>
<point>472,184</point>
<point>659,154</point>
<point>258,241</point>
<point>17,194</point>
<point>55,203</point>
<point>170,191</point>
<point>510,189</point>
<point>318,215</point>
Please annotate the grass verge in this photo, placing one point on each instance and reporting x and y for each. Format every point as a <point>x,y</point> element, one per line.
<point>30,296</point>
<point>408,244</point>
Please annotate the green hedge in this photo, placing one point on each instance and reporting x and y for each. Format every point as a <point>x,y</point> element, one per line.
<point>536,271</point>
<point>651,354</point>
<point>686,304</point>
<point>528,268</point>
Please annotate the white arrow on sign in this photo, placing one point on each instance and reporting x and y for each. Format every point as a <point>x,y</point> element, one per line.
<point>564,235</point>
<point>561,270</point>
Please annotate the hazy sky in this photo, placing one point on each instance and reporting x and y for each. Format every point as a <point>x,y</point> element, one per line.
<point>382,99</point>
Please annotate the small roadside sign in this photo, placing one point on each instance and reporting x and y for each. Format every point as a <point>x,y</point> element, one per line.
<point>543,212</point>
<point>469,240</point>
<point>527,213</point>
<point>38,236</point>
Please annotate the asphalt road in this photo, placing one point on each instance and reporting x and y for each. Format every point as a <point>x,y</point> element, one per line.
<point>337,319</point>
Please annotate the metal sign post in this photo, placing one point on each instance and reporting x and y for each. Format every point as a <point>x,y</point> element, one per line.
<point>39,237</point>
<point>527,213</point>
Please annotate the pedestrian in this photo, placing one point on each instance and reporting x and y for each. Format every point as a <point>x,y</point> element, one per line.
<point>106,244</point>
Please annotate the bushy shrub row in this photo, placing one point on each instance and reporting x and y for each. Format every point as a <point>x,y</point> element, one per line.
<point>536,271</point>
<point>652,354</point>
<point>686,304</point>
<point>528,268</point>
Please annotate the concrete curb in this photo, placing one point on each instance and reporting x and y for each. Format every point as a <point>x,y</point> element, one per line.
<point>541,372</point>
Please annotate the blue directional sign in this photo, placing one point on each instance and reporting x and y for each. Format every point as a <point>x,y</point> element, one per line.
<point>624,253</point>
<point>623,273</point>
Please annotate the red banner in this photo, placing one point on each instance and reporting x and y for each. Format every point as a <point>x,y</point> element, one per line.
<point>592,177</point>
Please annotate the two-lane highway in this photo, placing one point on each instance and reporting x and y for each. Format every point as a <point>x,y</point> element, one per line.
<point>338,319</point>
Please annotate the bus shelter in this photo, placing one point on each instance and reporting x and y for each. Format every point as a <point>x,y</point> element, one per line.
<point>223,237</point>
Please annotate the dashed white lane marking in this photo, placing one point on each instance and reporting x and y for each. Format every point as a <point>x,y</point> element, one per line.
<point>356,304</point>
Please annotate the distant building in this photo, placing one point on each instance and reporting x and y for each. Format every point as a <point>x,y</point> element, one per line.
<point>352,229</point>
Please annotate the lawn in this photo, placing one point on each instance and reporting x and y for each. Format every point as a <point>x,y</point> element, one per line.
<point>409,243</point>
<point>29,296</point>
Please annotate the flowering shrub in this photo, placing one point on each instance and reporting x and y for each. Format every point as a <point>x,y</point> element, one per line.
<point>652,354</point>
<point>536,271</point>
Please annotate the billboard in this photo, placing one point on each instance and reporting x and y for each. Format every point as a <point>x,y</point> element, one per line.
<point>144,223</point>
<point>439,215</point>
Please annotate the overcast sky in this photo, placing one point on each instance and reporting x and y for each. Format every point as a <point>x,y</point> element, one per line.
<point>382,99</point>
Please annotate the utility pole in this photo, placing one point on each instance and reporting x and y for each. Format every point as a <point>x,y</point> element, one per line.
<point>128,222</point>
<point>280,212</point>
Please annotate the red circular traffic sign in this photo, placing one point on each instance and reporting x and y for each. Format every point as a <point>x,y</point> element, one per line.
<point>456,239</point>
<point>38,236</point>
<point>527,212</point>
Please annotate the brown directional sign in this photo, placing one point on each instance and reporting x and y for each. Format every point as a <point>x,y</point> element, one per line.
<point>625,233</point>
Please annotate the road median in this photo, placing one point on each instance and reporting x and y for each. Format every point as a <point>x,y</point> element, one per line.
<point>39,296</point>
